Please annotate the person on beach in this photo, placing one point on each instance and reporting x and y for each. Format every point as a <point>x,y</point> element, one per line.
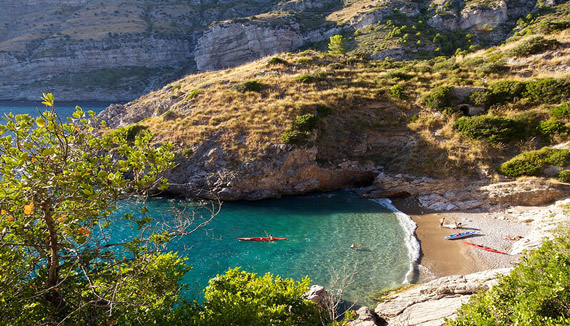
<point>457,225</point>
<point>441,222</point>
<point>354,246</point>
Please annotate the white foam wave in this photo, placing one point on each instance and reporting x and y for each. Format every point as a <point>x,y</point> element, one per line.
<point>409,227</point>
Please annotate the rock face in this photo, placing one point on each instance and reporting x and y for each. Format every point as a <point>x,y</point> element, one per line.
<point>432,302</point>
<point>231,44</point>
<point>483,17</point>
<point>451,194</point>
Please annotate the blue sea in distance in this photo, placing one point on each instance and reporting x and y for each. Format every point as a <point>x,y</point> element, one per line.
<point>320,229</point>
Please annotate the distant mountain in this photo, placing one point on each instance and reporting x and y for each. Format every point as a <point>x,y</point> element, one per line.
<point>119,50</point>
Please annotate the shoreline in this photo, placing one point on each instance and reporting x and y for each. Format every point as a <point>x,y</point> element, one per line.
<point>440,257</point>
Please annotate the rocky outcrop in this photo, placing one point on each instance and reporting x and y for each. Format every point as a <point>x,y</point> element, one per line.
<point>365,317</point>
<point>452,194</point>
<point>484,17</point>
<point>231,44</point>
<point>432,302</point>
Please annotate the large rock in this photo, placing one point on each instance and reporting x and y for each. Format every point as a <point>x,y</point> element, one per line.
<point>230,44</point>
<point>484,17</point>
<point>528,191</point>
<point>430,303</point>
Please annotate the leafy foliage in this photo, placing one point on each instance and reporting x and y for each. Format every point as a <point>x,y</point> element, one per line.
<point>312,78</point>
<point>439,98</point>
<point>305,122</point>
<point>564,176</point>
<point>336,44</point>
<point>60,183</point>
<point>492,129</point>
<point>295,137</point>
<point>533,162</point>
<point>250,86</point>
<point>535,293</point>
<point>533,45</point>
<point>242,298</point>
<point>561,111</point>
<point>506,90</point>
<point>480,98</point>
<point>549,128</point>
<point>548,90</point>
<point>397,91</point>
<point>277,61</point>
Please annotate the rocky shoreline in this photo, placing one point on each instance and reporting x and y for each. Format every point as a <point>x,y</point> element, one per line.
<point>445,289</point>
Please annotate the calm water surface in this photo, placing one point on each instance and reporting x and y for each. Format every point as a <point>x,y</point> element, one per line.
<point>319,228</point>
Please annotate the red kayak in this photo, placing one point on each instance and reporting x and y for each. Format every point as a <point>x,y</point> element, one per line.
<point>261,239</point>
<point>484,247</point>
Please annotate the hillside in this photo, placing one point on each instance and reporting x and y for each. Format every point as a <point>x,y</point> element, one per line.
<point>119,50</point>
<point>307,121</point>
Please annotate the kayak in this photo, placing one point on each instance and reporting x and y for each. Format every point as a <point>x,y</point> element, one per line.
<point>459,235</point>
<point>484,247</point>
<point>261,239</point>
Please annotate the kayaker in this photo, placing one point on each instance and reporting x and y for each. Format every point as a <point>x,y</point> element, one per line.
<point>270,237</point>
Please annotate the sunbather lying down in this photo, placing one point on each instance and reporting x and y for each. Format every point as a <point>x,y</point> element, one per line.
<point>518,237</point>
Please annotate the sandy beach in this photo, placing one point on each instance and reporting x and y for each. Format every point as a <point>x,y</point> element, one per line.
<point>441,257</point>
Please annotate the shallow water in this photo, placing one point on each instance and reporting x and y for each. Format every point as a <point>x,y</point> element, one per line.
<point>320,230</point>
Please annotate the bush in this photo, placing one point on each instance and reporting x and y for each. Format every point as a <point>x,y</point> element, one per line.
<point>480,97</point>
<point>250,86</point>
<point>548,90</point>
<point>563,176</point>
<point>506,91</point>
<point>549,27</point>
<point>549,128</point>
<point>497,67</point>
<point>439,98</point>
<point>305,122</point>
<point>312,78</point>
<point>491,129</point>
<point>169,115</point>
<point>561,112</point>
<point>533,162</point>
<point>133,131</point>
<point>533,45</point>
<point>277,61</point>
<point>295,137</point>
<point>397,91</point>
<point>193,93</point>
<point>399,75</point>
<point>242,298</point>
<point>535,293</point>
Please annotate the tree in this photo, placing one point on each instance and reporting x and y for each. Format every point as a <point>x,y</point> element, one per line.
<point>336,44</point>
<point>59,184</point>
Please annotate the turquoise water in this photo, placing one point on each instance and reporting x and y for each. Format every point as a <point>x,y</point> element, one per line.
<point>319,228</point>
<point>64,109</point>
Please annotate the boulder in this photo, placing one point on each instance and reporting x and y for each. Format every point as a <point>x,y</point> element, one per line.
<point>365,317</point>
<point>432,302</point>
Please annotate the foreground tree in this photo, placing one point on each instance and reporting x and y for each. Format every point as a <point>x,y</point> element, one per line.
<point>59,184</point>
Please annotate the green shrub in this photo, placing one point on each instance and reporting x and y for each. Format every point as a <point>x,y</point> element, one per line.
<point>397,91</point>
<point>563,176</point>
<point>480,97</point>
<point>312,78</point>
<point>295,137</point>
<point>489,128</point>
<point>277,61</point>
<point>187,152</point>
<point>133,131</point>
<point>533,162</point>
<point>497,67</point>
<point>535,293</point>
<point>561,112</point>
<point>250,86</point>
<point>548,90</point>
<point>549,128</point>
<point>505,91</point>
<point>399,75</point>
<point>169,115</point>
<point>193,93</point>
<point>305,122</point>
<point>555,26</point>
<point>533,45</point>
<point>439,98</point>
<point>242,298</point>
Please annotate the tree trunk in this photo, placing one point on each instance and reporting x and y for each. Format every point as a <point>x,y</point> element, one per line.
<point>54,294</point>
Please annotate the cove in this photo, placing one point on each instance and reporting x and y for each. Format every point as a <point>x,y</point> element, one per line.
<point>320,229</point>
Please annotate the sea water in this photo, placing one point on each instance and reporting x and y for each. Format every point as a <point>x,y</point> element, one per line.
<point>320,229</point>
